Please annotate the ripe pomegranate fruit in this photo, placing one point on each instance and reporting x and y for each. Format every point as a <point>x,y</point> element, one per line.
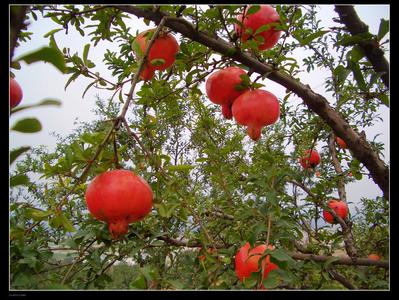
<point>16,93</point>
<point>119,197</point>
<point>265,15</point>
<point>256,109</point>
<point>246,261</point>
<point>221,88</point>
<point>374,256</point>
<point>162,53</point>
<point>341,143</point>
<point>340,208</point>
<point>310,160</point>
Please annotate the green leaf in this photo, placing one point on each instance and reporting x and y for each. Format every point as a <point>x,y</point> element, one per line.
<point>281,255</point>
<point>384,99</point>
<point>313,36</point>
<point>358,75</point>
<point>44,102</point>
<point>52,32</point>
<point>341,73</point>
<point>28,125</point>
<point>85,53</point>
<point>383,29</point>
<point>17,152</point>
<point>183,168</point>
<point>330,260</point>
<point>20,179</point>
<point>47,54</point>
<point>253,9</point>
<point>157,62</point>
<point>87,88</point>
<point>61,221</point>
<point>272,280</point>
<point>348,40</point>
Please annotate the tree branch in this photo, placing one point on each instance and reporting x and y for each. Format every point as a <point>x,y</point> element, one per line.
<point>317,103</point>
<point>17,18</point>
<point>371,48</point>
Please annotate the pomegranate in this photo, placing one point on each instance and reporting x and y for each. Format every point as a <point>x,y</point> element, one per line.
<point>256,109</point>
<point>374,256</point>
<point>162,53</point>
<point>341,143</point>
<point>119,197</point>
<point>340,208</point>
<point>16,93</point>
<point>247,261</point>
<point>310,160</point>
<point>265,15</point>
<point>221,88</point>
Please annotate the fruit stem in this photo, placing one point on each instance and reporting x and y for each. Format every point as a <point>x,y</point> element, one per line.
<point>226,111</point>
<point>254,132</point>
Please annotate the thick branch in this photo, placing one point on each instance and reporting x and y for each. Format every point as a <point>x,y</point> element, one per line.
<point>371,49</point>
<point>17,17</point>
<point>317,103</point>
<point>341,279</point>
<point>341,260</point>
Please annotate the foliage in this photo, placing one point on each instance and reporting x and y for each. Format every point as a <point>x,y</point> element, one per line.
<point>212,184</point>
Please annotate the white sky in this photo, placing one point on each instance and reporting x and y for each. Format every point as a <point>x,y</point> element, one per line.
<point>40,80</point>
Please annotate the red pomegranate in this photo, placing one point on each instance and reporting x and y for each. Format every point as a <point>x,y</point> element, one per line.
<point>374,256</point>
<point>221,88</point>
<point>246,261</point>
<point>341,143</point>
<point>340,208</point>
<point>310,160</point>
<point>119,197</point>
<point>16,93</point>
<point>265,15</point>
<point>162,53</point>
<point>256,109</point>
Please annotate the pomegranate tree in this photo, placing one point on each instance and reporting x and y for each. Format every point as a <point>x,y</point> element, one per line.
<point>16,93</point>
<point>264,16</point>
<point>310,159</point>
<point>256,109</point>
<point>247,261</point>
<point>339,207</point>
<point>221,88</point>
<point>119,197</point>
<point>162,53</point>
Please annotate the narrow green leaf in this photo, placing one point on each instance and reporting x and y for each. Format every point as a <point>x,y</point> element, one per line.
<point>358,75</point>
<point>17,152</point>
<point>28,125</point>
<point>329,261</point>
<point>313,36</point>
<point>384,99</point>
<point>20,179</point>
<point>72,78</point>
<point>341,73</point>
<point>157,62</point>
<point>44,102</point>
<point>47,54</point>
<point>180,168</point>
<point>39,215</point>
<point>85,53</point>
<point>52,32</point>
<point>253,9</point>
<point>87,88</point>
<point>383,29</point>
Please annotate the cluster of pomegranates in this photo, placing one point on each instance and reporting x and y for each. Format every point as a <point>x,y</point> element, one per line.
<point>254,108</point>
<point>162,54</point>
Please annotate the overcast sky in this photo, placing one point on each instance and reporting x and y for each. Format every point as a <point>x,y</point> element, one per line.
<point>40,80</point>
